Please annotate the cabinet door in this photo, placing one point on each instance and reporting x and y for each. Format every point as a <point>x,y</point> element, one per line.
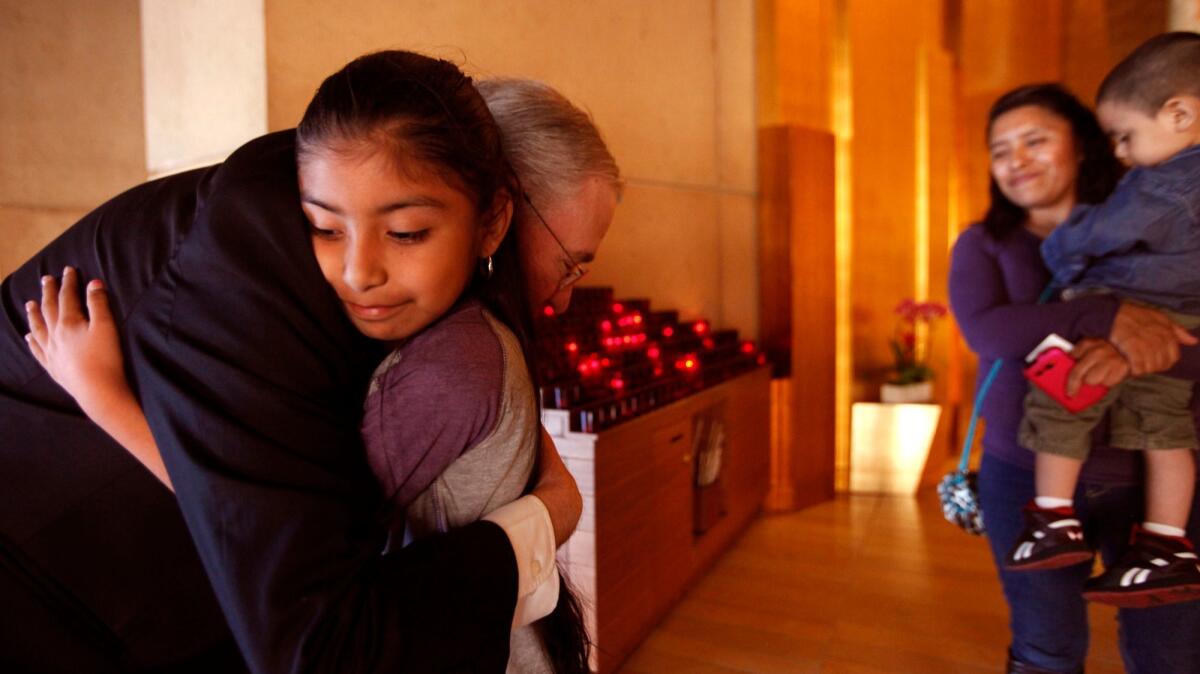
<point>674,466</point>
<point>748,465</point>
<point>643,534</point>
<point>625,533</point>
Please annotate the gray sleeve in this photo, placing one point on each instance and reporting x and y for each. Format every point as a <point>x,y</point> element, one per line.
<point>440,397</point>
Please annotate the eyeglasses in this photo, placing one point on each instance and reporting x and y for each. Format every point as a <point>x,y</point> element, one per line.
<point>576,270</point>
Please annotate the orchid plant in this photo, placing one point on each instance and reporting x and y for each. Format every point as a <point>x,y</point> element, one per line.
<point>909,343</point>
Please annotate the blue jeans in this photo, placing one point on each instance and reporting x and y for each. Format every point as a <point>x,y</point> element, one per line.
<point>1047,614</point>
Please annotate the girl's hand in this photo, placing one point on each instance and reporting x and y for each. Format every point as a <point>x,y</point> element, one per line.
<point>1096,362</point>
<point>82,355</point>
<point>1147,338</point>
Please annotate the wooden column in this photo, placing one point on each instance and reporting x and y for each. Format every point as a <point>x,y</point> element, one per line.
<point>797,243</point>
<point>797,267</point>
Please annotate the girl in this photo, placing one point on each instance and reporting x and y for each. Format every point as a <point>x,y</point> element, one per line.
<point>408,194</point>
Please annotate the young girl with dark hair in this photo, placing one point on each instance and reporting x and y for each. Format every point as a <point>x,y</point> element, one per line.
<point>409,197</point>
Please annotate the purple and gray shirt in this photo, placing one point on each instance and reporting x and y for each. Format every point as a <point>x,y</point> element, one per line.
<point>452,431</point>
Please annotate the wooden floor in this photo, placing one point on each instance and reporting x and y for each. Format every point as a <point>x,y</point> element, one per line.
<point>861,585</point>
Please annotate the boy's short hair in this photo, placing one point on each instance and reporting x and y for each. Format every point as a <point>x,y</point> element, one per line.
<point>1164,66</point>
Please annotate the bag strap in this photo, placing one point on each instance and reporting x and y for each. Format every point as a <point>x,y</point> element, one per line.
<point>965,462</point>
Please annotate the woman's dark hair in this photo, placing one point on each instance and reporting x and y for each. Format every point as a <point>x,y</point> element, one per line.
<point>1099,169</point>
<point>426,110</point>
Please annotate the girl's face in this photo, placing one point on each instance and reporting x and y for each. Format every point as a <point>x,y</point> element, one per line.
<point>397,243</point>
<point>1033,158</point>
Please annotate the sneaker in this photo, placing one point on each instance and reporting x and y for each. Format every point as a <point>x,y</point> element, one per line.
<point>1052,539</point>
<point>1156,570</point>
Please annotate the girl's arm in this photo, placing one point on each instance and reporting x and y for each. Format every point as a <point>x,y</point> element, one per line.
<point>83,355</point>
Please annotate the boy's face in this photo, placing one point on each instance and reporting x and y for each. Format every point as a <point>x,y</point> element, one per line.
<point>1140,139</point>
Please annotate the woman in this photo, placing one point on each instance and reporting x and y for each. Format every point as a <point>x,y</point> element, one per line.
<point>1048,153</point>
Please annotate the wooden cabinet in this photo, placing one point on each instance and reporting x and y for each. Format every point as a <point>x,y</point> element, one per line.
<point>636,551</point>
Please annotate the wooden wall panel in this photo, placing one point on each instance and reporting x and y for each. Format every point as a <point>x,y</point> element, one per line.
<point>944,155</point>
<point>814,316</point>
<point>1085,47</point>
<point>798,302</point>
<point>1131,22</point>
<point>775,248</point>
<point>794,51</point>
<point>1003,45</point>
<point>884,36</point>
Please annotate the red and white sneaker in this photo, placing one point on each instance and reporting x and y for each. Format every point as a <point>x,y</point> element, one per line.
<point>1156,570</point>
<point>1052,539</point>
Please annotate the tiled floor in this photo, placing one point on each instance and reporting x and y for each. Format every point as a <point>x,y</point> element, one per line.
<point>863,584</point>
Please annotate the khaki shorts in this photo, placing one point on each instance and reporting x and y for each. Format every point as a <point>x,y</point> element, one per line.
<point>1148,412</point>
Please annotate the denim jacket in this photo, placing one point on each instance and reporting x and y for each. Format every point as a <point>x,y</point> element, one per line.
<point>1142,243</point>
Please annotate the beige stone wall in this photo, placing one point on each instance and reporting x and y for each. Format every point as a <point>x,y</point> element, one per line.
<point>97,95</point>
<point>670,84</point>
<point>71,132</point>
<point>205,73</point>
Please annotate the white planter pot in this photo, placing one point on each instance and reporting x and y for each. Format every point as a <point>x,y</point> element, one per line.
<point>921,392</point>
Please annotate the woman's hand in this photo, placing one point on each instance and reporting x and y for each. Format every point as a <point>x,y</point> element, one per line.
<point>82,355</point>
<point>1097,363</point>
<point>1147,338</point>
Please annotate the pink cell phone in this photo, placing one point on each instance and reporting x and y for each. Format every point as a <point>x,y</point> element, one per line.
<point>1049,365</point>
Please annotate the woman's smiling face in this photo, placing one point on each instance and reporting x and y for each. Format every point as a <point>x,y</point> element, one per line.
<point>396,241</point>
<point>1033,158</point>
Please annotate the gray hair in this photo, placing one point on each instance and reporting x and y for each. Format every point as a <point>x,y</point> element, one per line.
<point>552,145</point>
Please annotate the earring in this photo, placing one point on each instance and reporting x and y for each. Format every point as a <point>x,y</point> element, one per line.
<point>488,272</point>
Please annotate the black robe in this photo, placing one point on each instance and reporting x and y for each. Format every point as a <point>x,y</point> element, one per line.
<point>253,381</point>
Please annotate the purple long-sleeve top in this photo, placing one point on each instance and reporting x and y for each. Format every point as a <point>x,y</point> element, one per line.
<point>994,288</point>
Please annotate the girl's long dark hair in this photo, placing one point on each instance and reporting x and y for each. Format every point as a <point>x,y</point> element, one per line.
<point>427,109</point>
<point>1099,170</point>
<point>562,632</point>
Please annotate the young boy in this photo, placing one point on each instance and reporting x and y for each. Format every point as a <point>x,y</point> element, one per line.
<point>1143,244</point>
